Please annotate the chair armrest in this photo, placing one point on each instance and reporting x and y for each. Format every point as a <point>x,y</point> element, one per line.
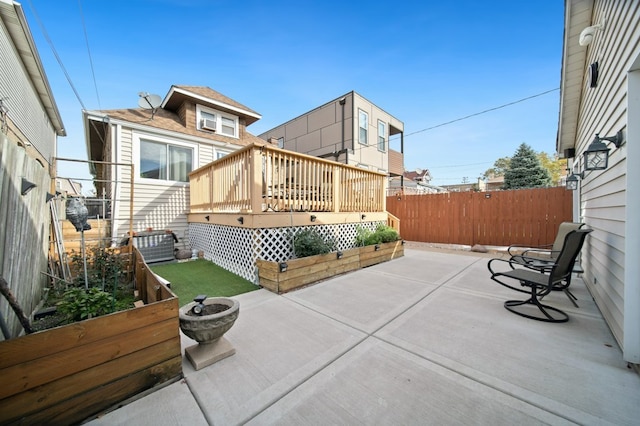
<point>535,263</point>
<point>507,261</point>
<point>543,248</point>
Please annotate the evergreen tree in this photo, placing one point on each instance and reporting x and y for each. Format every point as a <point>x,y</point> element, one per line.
<point>525,170</point>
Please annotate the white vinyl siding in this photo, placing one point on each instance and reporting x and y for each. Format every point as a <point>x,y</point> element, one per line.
<point>157,204</point>
<point>603,193</point>
<point>24,107</point>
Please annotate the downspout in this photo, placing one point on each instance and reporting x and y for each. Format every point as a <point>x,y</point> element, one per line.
<point>343,101</point>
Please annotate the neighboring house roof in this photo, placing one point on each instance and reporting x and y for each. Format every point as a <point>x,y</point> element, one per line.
<point>208,97</point>
<point>578,14</point>
<point>169,120</point>
<point>424,176</point>
<point>15,21</point>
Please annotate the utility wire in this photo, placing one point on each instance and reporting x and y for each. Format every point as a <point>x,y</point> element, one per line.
<point>55,53</point>
<point>86,38</point>
<point>483,112</point>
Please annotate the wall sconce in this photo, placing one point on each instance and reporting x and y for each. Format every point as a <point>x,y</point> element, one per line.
<point>283,266</point>
<point>339,255</point>
<point>241,220</point>
<point>377,247</point>
<point>26,186</point>
<point>313,218</point>
<point>596,157</point>
<point>363,216</point>
<point>573,182</point>
<point>49,197</point>
<point>207,217</point>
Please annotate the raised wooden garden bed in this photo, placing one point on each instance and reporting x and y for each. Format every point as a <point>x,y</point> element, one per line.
<point>67,374</point>
<point>307,270</point>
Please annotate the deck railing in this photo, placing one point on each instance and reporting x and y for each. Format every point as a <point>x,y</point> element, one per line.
<point>259,179</point>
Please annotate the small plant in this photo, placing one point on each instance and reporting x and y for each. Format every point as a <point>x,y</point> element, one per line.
<point>79,304</point>
<point>309,242</point>
<point>382,234</point>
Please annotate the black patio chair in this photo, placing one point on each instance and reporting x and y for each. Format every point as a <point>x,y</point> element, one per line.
<point>542,258</point>
<point>541,283</point>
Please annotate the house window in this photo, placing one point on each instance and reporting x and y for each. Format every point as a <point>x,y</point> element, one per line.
<point>165,161</point>
<point>382,136</point>
<point>363,124</point>
<point>210,120</point>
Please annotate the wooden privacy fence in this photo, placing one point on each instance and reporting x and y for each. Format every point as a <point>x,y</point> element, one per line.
<point>527,216</point>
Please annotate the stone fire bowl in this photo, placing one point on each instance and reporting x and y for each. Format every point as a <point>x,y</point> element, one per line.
<point>208,328</point>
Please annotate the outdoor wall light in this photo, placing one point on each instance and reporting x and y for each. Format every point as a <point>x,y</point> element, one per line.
<point>573,182</point>
<point>377,247</point>
<point>49,197</point>
<point>207,217</point>
<point>313,218</point>
<point>596,157</point>
<point>339,255</point>
<point>26,186</point>
<point>363,216</point>
<point>283,266</point>
<point>241,220</point>
<point>586,36</point>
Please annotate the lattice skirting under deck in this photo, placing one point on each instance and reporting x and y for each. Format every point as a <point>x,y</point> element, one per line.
<point>237,249</point>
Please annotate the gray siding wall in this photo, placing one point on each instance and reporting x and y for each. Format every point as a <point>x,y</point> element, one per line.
<point>603,110</point>
<point>20,97</point>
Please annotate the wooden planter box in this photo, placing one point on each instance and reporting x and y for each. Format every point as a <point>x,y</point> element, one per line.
<point>69,373</point>
<point>307,270</point>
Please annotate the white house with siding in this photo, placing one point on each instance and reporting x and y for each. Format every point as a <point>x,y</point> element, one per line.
<point>29,127</point>
<point>600,94</point>
<point>191,127</point>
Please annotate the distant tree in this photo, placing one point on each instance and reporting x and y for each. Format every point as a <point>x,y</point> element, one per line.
<point>554,164</point>
<point>525,170</point>
<point>498,169</point>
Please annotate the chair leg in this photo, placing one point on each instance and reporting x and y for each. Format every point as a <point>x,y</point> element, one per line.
<point>571,297</point>
<point>561,316</point>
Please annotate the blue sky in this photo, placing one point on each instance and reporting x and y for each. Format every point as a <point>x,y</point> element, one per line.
<point>424,62</point>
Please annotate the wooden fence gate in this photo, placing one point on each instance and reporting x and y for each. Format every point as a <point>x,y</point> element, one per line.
<point>497,218</point>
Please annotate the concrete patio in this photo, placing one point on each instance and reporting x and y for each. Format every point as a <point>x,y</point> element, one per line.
<point>423,339</point>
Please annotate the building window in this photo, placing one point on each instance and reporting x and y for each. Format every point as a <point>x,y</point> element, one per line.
<point>210,120</point>
<point>165,161</point>
<point>382,136</point>
<point>363,124</point>
<point>281,142</point>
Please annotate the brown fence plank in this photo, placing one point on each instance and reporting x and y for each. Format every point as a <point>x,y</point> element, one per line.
<point>53,393</point>
<point>28,375</point>
<point>48,342</point>
<point>527,216</point>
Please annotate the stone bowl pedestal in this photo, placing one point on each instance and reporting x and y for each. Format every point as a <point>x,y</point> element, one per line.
<point>217,317</point>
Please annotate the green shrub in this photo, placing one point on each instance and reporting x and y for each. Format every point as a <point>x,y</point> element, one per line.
<point>309,242</point>
<point>382,234</point>
<point>79,304</point>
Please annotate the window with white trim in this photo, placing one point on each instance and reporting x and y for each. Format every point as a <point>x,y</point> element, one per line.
<point>363,125</point>
<point>211,120</point>
<point>382,136</point>
<point>164,161</point>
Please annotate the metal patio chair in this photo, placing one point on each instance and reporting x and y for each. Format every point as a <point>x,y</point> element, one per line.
<point>541,283</point>
<point>542,258</point>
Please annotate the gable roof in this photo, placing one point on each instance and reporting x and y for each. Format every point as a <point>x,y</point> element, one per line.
<point>208,97</point>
